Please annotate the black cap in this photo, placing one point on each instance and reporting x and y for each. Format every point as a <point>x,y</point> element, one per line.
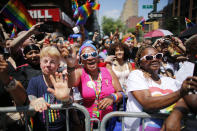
<point>28,48</point>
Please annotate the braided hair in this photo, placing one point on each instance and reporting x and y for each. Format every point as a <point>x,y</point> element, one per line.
<point>139,53</point>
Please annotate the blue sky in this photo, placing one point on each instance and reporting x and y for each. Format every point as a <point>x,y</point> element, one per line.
<point>112,8</point>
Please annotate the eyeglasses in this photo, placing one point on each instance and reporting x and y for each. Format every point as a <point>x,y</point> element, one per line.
<point>151,57</point>
<point>85,56</point>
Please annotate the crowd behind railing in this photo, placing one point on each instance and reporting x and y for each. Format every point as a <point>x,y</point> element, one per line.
<point>42,69</point>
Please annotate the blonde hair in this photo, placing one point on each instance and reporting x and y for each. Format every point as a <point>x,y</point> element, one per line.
<point>50,51</point>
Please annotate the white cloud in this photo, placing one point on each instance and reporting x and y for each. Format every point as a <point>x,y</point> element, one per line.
<point>112,13</point>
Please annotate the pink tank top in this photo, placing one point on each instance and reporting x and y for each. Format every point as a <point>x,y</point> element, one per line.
<point>88,94</point>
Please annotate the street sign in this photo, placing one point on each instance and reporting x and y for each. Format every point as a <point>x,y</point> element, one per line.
<point>147,6</point>
<point>155,15</point>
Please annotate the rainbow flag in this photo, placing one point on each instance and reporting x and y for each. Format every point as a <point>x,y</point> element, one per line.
<point>18,14</point>
<point>74,5</point>
<point>13,33</point>
<point>8,22</point>
<point>85,11</point>
<point>140,25</point>
<point>189,23</point>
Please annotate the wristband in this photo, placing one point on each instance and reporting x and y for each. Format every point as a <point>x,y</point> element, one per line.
<point>67,102</point>
<point>181,109</point>
<point>70,68</point>
<point>115,97</point>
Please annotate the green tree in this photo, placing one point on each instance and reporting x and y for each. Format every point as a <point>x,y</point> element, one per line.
<point>110,25</point>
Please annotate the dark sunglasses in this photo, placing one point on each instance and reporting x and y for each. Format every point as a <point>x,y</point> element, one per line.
<point>85,56</point>
<point>151,57</point>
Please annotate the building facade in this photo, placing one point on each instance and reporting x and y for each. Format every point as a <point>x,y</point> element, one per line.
<point>130,8</point>
<point>175,13</point>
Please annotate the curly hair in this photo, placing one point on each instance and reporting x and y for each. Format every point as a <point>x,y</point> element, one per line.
<point>112,49</point>
<point>139,53</point>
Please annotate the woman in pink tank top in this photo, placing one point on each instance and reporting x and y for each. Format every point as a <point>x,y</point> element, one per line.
<point>99,87</point>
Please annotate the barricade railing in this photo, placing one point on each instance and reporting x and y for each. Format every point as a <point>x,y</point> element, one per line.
<point>123,114</point>
<point>26,109</point>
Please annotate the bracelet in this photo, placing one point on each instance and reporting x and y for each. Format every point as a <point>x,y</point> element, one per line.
<point>115,97</point>
<point>181,109</point>
<point>67,102</point>
<point>70,68</point>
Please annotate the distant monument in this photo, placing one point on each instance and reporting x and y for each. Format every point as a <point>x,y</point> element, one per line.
<point>130,8</point>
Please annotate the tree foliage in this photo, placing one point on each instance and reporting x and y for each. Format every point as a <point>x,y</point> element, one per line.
<point>110,25</point>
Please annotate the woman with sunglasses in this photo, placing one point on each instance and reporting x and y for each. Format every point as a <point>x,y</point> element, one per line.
<point>99,87</point>
<point>150,92</point>
<point>103,53</point>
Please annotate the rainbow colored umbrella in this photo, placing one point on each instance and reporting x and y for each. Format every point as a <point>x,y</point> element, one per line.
<point>157,33</point>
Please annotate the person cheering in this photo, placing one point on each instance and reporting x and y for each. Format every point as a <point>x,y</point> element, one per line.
<point>98,86</point>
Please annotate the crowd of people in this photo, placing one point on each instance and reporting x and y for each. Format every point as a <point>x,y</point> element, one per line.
<point>155,77</point>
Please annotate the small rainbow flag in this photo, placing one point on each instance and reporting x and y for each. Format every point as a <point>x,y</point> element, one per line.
<point>13,33</point>
<point>8,22</point>
<point>74,5</point>
<point>140,25</point>
<point>85,11</point>
<point>18,14</point>
<point>189,23</point>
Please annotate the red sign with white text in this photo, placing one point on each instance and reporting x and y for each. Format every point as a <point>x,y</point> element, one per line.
<point>45,14</point>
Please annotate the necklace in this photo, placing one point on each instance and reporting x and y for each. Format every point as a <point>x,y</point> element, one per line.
<point>96,85</point>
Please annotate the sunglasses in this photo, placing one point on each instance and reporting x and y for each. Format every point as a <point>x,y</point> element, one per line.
<point>108,42</point>
<point>85,56</point>
<point>151,57</point>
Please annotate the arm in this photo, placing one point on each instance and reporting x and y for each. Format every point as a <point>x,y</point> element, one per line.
<point>154,103</point>
<point>130,67</point>
<point>71,60</point>
<point>107,101</point>
<point>140,91</point>
<point>191,102</point>
<point>4,32</point>
<point>173,121</point>
<point>11,85</point>
<point>60,91</point>
<point>18,41</point>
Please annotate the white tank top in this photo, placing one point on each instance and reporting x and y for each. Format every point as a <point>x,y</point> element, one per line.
<point>122,75</point>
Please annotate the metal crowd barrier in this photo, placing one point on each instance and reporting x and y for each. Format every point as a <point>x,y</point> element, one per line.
<point>26,109</point>
<point>123,114</point>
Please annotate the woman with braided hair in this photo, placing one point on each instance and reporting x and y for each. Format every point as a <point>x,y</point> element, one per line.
<point>150,92</point>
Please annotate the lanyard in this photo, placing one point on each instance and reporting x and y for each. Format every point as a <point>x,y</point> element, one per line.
<point>97,89</point>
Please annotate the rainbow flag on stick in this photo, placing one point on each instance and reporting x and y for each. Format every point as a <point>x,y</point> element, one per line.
<point>140,25</point>
<point>17,13</point>
<point>8,22</point>
<point>13,33</point>
<point>189,23</point>
<point>85,11</point>
<point>74,5</point>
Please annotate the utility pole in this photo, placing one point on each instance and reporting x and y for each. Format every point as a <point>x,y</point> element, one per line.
<point>155,5</point>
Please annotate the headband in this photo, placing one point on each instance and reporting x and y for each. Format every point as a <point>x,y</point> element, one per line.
<point>87,43</point>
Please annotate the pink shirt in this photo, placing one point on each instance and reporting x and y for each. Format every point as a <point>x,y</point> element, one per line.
<point>88,93</point>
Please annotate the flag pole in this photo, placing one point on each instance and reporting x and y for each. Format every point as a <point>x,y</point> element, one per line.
<point>3,8</point>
